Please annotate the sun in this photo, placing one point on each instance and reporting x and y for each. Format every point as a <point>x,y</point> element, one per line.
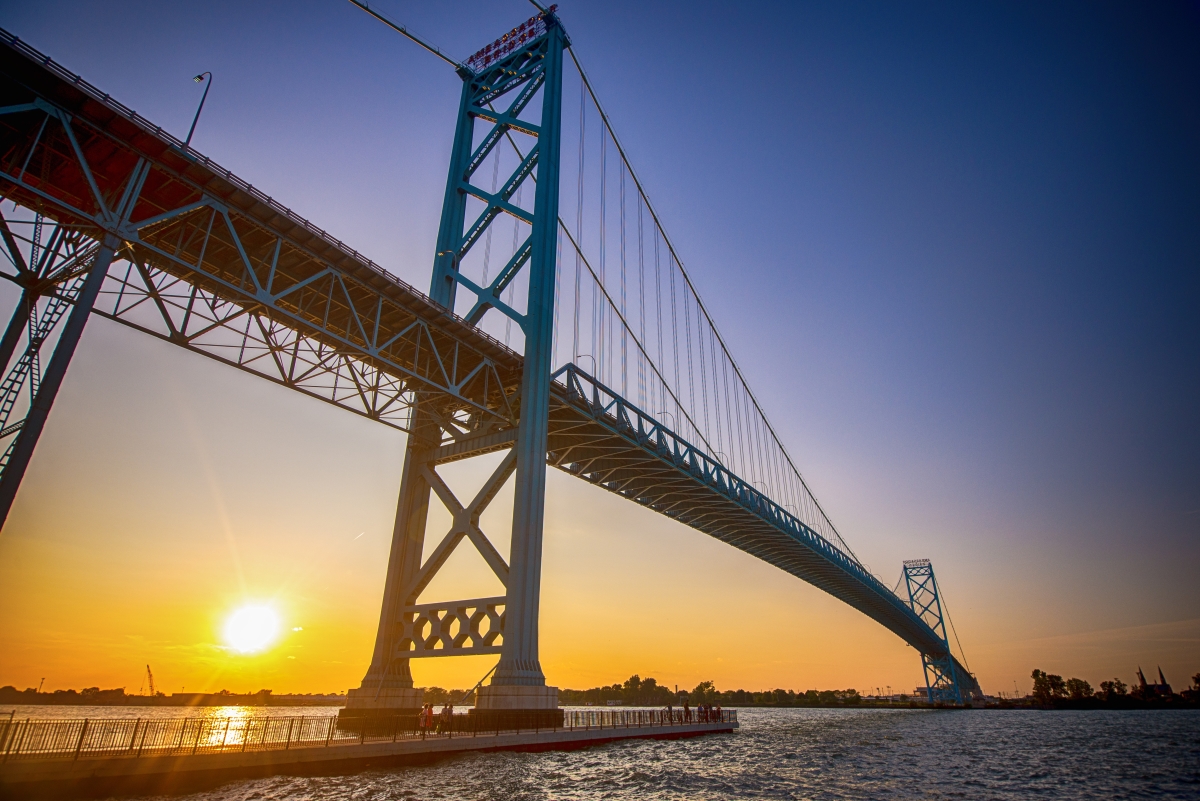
<point>252,628</point>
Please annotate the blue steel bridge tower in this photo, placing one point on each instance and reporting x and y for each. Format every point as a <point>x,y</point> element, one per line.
<point>943,685</point>
<point>500,83</point>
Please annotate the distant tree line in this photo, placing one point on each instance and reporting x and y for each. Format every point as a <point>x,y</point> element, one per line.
<point>636,691</point>
<point>1051,690</point>
<point>94,696</point>
<point>440,697</point>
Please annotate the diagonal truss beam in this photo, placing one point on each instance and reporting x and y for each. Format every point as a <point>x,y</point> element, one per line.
<point>230,272</point>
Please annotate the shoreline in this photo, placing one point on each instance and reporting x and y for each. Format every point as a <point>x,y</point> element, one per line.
<point>7,709</point>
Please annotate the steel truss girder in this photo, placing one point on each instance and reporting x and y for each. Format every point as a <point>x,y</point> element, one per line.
<point>597,435</point>
<point>169,308</point>
<point>271,288</point>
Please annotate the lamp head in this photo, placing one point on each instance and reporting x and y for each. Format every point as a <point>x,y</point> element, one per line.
<point>199,77</point>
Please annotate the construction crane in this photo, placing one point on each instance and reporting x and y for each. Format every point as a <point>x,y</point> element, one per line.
<point>150,678</point>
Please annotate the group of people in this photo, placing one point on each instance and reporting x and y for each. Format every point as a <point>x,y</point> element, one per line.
<point>705,713</point>
<point>426,723</point>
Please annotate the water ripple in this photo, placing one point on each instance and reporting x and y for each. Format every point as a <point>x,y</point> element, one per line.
<point>813,754</point>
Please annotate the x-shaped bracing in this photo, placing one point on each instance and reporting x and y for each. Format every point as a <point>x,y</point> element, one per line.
<point>466,524</point>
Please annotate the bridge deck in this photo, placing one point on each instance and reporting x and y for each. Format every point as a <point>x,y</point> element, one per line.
<point>193,222</point>
<point>598,436</point>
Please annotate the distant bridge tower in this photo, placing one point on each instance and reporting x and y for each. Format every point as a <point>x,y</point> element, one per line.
<point>942,682</point>
<point>512,70</point>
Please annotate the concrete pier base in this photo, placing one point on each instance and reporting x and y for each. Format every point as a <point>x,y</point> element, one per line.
<point>503,706</point>
<point>512,697</point>
<point>366,702</point>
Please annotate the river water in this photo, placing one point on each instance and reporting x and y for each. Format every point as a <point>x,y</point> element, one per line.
<point>814,754</point>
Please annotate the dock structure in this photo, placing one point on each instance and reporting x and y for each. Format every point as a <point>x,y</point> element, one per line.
<point>94,757</point>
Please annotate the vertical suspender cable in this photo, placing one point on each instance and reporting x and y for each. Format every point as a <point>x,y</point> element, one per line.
<point>741,436</point>
<point>703,366</point>
<point>601,312</point>
<point>712,352</point>
<point>642,398</point>
<point>512,284</point>
<point>728,416</point>
<point>487,241</point>
<point>624,306</point>
<point>606,127</point>
<point>557,298</point>
<point>658,299</point>
<point>675,335</point>
<point>579,223</point>
<point>687,331</point>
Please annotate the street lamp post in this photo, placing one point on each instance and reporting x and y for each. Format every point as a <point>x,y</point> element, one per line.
<point>589,356</point>
<point>187,142</point>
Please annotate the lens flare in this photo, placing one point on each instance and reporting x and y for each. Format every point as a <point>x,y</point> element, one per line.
<point>251,629</point>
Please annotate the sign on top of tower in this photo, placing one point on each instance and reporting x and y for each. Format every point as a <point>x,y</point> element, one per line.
<point>527,31</point>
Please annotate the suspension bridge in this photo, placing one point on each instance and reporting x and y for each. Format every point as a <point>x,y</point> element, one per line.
<point>550,259</point>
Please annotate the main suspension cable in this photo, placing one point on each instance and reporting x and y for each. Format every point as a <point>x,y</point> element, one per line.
<point>401,29</point>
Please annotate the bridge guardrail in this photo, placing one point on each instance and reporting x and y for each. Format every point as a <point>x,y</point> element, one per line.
<point>124,738</point>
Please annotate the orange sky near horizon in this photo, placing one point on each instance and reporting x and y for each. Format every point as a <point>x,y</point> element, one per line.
<point>169,490</point>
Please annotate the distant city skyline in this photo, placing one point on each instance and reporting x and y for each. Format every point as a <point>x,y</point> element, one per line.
<point>953,249</point>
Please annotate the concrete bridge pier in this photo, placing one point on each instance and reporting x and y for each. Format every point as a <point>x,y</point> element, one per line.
<point>388,686</point>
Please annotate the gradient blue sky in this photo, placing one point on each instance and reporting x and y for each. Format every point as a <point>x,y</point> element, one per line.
<point>955,247</point>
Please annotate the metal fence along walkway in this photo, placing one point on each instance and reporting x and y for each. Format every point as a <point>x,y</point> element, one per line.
<point>108,738</point>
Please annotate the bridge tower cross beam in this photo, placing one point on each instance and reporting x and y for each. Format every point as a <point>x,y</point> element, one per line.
<point>499,83</point>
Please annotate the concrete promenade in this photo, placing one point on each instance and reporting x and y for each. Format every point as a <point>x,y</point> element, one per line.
<point>65,775</point>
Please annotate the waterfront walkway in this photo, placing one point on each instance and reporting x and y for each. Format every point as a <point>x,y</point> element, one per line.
<point>85,757</point>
